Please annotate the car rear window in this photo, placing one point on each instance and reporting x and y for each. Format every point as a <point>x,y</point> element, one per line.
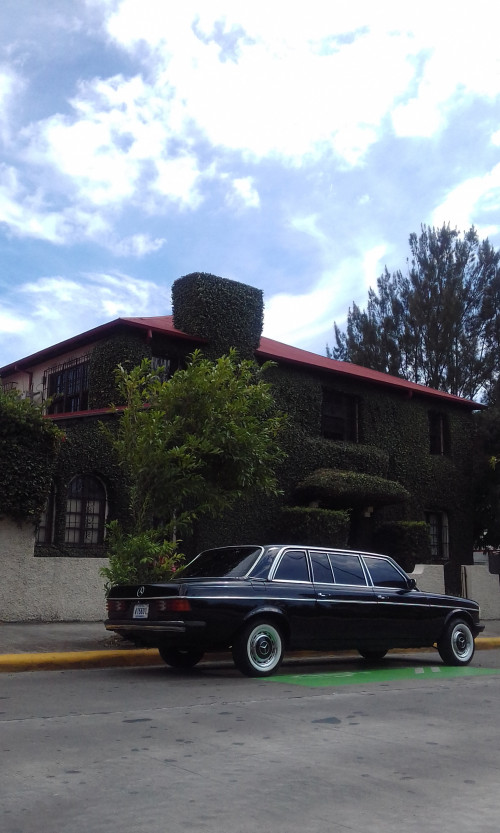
<point>224,562</point>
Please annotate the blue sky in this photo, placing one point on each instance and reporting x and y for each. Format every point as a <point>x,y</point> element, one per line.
<point>291,147</point>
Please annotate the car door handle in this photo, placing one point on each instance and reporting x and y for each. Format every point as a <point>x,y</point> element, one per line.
<point>322,596</point>
<point>380,596</point>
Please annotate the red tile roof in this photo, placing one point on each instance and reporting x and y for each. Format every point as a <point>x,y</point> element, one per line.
<point>268,349</point>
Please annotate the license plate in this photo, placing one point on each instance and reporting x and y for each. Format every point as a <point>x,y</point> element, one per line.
<point>140,612</point>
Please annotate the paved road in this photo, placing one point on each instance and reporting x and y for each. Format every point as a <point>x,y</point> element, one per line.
<point>135,750</point>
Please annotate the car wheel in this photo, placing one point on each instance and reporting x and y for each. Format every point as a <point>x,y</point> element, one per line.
<point>180,657</point>
<point>368,654</point>
<point>258,649</point>
<point>456,646</point>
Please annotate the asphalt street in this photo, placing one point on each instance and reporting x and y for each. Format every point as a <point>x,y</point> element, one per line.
<point>399,746</point>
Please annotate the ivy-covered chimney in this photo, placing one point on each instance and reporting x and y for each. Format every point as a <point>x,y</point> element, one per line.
<point>226,313</point>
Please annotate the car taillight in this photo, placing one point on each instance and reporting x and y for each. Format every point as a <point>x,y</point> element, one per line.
<point>116,606</point>
<point>178,604</point>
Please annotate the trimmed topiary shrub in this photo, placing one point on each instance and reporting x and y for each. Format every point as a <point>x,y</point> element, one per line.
<point>347,489</point>
<point>313,527</point>
<point>226,313</point>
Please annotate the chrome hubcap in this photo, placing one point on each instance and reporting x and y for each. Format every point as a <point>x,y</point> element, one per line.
<point>264,647</point>
<point>462,642</point>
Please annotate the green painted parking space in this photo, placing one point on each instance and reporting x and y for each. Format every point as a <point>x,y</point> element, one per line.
<point>380,675</point>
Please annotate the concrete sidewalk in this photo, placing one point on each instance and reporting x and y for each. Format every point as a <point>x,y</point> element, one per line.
<point>31,646</point>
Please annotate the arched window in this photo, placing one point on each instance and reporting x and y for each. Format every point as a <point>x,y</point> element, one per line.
<point>45,528</point>
<point>85,511</point>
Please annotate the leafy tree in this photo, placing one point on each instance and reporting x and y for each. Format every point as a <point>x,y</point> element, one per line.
<point>190,446</point>
<point>439,323</point>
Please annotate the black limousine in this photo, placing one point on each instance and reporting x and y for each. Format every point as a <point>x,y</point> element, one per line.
<point>260,600</point>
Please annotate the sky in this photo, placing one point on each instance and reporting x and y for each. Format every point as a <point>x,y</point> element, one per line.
<point>292,147</point>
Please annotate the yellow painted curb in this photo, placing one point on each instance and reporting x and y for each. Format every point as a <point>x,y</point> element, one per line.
<point>484,643</point>
<point>150,656</point>
<point>79,659</point>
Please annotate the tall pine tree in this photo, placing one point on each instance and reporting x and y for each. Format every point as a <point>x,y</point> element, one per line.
<point>439,323</point>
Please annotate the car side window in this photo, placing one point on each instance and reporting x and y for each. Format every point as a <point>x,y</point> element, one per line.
<point>385,574</point>
<point>322,570</point>
<point>347,569</point>
<point>293,567</point>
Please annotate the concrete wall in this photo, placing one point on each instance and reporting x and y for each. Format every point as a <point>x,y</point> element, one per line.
<point>46,589</point>
<point>477,583</point>
<point>71,589</point>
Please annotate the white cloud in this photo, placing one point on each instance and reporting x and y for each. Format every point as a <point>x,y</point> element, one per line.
<point>237,81</point>
<point>373,265</point>
<point>288,89</point>
<point>138,245</point>
<point>246,192</point>
<point>54,308</point>
<point>11,86</point>
<point>11,323</point>
<point>302,318</point>
<point>309,225</point>
<point>473,202</point>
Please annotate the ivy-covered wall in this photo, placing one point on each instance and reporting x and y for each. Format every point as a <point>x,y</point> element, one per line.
<point>393,441</point>
<point>85,451</point>
<point>29,446</point>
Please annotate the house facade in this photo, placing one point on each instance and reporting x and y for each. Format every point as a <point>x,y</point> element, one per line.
<point>373,461</point>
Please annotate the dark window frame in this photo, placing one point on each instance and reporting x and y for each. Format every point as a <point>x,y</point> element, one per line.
<point>67,386</point>
<point>339,416</point>
<point>439,433</point>
<point>85,513</point>
<point>438,534</point>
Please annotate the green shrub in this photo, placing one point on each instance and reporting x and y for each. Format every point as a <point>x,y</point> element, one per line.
<point>313,527</point>
<point>139,559</point>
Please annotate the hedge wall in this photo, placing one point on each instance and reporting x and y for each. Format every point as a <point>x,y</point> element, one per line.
<point>313,527</point>
<point>226,313</point>
<point>29,446</point>
<point>129,350</point>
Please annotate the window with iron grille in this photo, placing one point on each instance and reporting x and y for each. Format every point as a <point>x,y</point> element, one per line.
<point>164,367</point>
<point>85,511</point>
<point>340,416</point>
<point>67,386</point>
<point>438,531</point>
<point>6,386</point>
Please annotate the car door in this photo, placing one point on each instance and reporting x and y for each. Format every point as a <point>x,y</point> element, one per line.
<point>290,588</point>
<point>346,606</point>
<point>404,615</point>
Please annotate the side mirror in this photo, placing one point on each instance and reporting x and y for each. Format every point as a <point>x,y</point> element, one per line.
<point>412,584</point>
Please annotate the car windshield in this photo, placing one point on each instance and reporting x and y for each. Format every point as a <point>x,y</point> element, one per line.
<point>219,563</point>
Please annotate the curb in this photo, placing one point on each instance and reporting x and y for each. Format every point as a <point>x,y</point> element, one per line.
<point>137,657</point>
